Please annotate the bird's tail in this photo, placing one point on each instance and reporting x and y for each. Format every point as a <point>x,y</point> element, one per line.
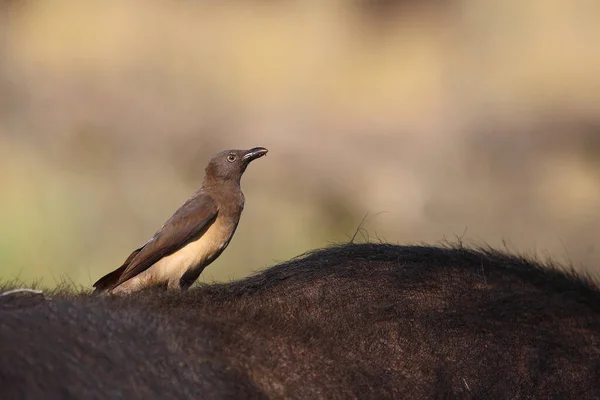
<point>110,280</point>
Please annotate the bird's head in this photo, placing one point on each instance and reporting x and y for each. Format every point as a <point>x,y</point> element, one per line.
<point>229,165</point>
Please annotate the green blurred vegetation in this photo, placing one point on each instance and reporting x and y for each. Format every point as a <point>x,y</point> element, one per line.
<point>472,117</point>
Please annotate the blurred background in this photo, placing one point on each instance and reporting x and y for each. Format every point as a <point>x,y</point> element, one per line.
<point>470,118</point>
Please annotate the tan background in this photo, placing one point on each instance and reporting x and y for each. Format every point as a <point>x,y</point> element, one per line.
<point>474,118</point>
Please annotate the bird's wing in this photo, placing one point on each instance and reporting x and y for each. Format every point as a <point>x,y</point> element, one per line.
<point>188,221</point>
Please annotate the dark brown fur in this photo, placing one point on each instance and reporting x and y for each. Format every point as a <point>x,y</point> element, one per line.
<point>354,321</point>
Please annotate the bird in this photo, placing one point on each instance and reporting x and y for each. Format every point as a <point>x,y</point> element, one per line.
<point>195,235</point>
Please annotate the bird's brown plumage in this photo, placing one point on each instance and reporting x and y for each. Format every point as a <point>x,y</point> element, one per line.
<point>199,230</point>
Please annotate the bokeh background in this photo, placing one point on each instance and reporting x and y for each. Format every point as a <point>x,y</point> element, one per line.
<point>470,118</point>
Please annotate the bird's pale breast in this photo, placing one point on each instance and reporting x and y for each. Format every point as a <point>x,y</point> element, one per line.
<point>197,253</point>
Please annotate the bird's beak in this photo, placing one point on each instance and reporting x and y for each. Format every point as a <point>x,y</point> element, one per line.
<point>254,153</point>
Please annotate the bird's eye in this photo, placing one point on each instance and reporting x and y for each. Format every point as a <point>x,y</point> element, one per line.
<point>231,157</point>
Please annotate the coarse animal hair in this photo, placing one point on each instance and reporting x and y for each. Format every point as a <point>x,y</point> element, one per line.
<point>349,321</point>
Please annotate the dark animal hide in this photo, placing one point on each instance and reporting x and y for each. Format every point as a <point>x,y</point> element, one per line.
<point>368,321</point>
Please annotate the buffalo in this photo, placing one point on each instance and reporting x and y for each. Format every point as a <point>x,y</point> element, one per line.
<point>368,321</point>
